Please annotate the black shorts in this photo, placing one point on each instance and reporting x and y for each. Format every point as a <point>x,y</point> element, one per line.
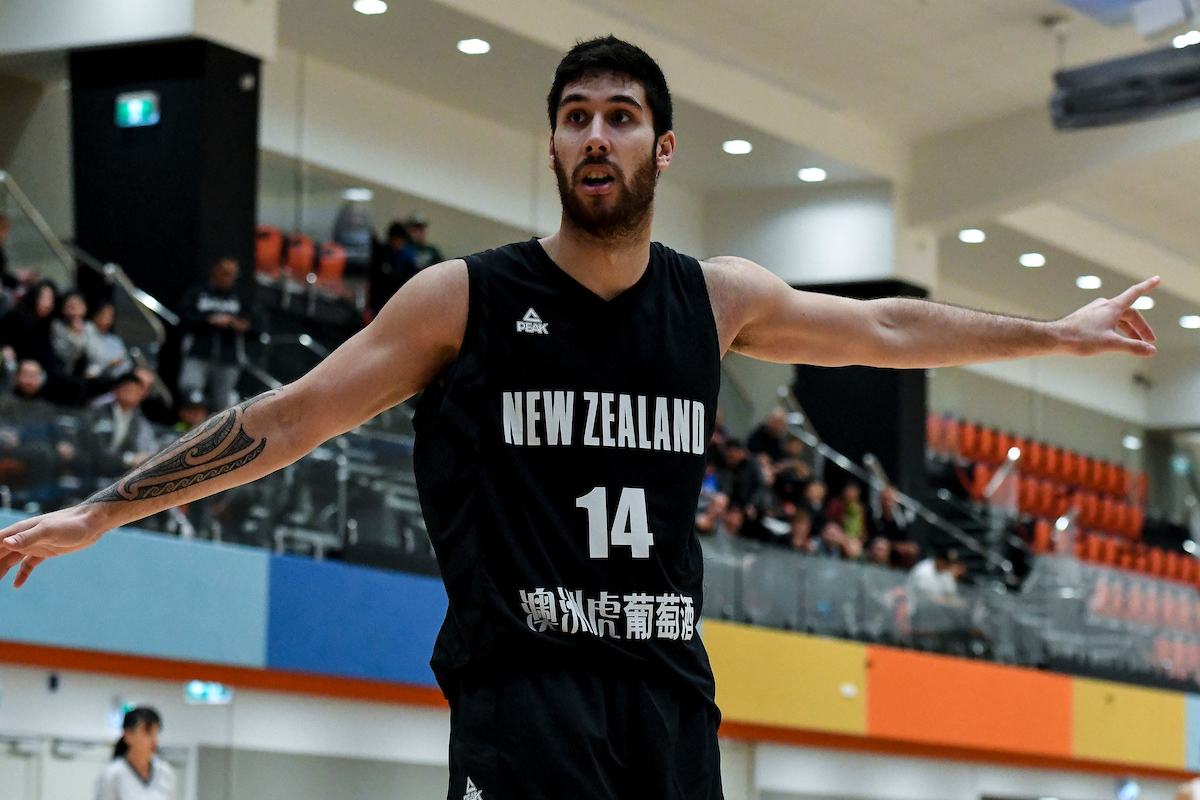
<point>579,733</point>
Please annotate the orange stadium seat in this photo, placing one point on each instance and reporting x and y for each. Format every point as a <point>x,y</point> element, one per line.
<point>331,263</point>
<point>1035,458</point>
<point>1187,569</point>
<point>301,256</point>
<point>1004,442</point>
<point>1066,468</point>
<point>268,250</point>
<point>987,444</point>
<point>1027,495</point>
<point>1052,463</point>
<point>933,433</point>
<point>1111,552</point>
<point>950,428</point>
<point>968,440</point>
<point>1171,565</point>
<point>1043,536</point>
<point>1136,517</point>
<point>1093,547</point>
<point>1108,514</point>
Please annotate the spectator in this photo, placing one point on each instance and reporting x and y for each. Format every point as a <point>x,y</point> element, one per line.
<point>32,382</point>
<point>193,410</point>
<point>731,522</point>
<point>26,328</point>
<point>708,521</point>
<point>937,610</point>
<point>892,521</point>
<point>848,512</point>
<point>792,473</point>
<point>879,552</point>
<point>108,356</point>
<point>800,537</point>
<point>768,437</point>
<point>72,334</point>
<point>31,433</point>
<point>424,253</point>
<point>118,434</point>
<point>740,478</point>
<point>813,501</point>
<point>215,318</point>
<point>353,231</point>
<point>392,267</point>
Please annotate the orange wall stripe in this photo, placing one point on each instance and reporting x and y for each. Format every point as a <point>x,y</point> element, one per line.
<point>941,700</point>
<point>877,746</point>
<point>33,655</point>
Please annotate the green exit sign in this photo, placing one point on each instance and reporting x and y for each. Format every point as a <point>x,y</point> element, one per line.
<point>137,109</point>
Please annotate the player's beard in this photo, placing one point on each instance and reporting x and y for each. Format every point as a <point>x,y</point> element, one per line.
<point>615,218</point>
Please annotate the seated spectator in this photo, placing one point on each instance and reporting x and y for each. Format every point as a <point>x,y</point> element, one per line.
<point>708,521</point>
<point>731,522</point>
<point>800,537</point>
<point>354,232</point>
<point>848,512</point>
<point>879,552</point>
<point>813,501</point>
<point>30,432</point>
<point>108,356</point>
<point>119,436</point>
<point>768,437</point>
<point>892,522</point>
<point>937,611</point>
<point>32,382</point>
<point>214,318</point>
<point>740,477</point>
<point>792,473</point>
<point>424,253</point>
<point>193,410</point>
<point>392,267</point>
<point>72,334</point>
<point>26,328</point>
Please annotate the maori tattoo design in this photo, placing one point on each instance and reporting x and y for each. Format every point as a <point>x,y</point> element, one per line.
<point>215,448</point>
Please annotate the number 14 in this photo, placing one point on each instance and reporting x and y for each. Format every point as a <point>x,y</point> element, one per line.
<point>629,527</point>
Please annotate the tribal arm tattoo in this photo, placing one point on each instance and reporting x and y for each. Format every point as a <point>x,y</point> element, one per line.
<point>215,448</point>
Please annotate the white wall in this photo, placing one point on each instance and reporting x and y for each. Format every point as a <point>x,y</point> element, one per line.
<point>361,126</point>
<point>30,26</point>
<point>822,234</point>
<point>41,161</point>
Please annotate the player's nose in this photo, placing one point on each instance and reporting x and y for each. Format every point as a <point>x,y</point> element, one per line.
<point>597,141</point>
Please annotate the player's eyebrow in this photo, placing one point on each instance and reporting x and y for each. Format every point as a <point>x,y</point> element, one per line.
<point>577,97</point>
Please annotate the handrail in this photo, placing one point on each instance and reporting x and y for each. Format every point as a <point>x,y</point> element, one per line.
<point>148,305</point>
<point>801,427</point>
<point>38,221</point>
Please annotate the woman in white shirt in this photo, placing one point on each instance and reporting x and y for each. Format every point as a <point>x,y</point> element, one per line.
<point>136,773</point>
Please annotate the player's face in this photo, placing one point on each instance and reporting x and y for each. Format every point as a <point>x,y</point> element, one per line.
<point>606,156</point>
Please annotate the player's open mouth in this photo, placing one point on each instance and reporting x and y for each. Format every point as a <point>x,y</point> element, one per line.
<point>597,180</point>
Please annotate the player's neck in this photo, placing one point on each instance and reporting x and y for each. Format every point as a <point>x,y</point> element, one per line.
<point>606,267</point>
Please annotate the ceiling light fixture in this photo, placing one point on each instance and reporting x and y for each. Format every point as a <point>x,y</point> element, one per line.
<point>1186,39</point>
<point>1131,442</point>
<point>737,147</point>
<point>812,174</point>
<point>1088,282</point>
<point>358,195</point>
<point>1191,322</point>
<point>971,235</point>
<point>473,47</point>
<point>1032,260</point>
<point>370,7</point>
<point>1144,303</point>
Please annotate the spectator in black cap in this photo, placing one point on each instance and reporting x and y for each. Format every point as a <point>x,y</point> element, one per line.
<point>193,409</point>
<point>424,253</point>
<point>394,264</point>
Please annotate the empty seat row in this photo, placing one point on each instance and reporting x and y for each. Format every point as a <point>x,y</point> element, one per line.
<point>953,437</point>
<point>1145,602</point>
<point>1098,548</point>
<point>1045,498</point>
<point>299,255</point>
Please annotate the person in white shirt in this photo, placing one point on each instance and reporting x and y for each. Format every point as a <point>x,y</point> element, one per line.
<point>136,773</point>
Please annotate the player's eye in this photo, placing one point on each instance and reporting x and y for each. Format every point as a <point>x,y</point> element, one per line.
<point>576,117</point>
<point>621,117</point>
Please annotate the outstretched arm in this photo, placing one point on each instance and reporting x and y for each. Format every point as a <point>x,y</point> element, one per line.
<point>416,335</point>
<point>760,316</point>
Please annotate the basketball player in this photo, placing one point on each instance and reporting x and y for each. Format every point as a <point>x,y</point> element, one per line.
<point>570,390</point>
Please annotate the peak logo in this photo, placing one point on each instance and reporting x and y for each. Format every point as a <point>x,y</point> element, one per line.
<point>472,793</point>
<point>532,323</point>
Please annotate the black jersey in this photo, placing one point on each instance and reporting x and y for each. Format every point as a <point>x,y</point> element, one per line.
<point>559,462</point>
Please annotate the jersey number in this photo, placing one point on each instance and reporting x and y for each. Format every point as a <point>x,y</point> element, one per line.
<point>629,527</point>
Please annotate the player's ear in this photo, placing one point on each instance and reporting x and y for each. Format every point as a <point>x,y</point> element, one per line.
<point>553,159</point>
<point>664,150</point>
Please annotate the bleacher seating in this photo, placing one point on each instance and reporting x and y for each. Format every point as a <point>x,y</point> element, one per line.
<point>1109,499</point>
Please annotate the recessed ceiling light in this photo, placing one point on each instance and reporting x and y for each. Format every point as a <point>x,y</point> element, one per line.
<point>370,6</point>
<point>1191,322</point>
<point>737,147</point>
<point>812,174</point>
<point>1144,303</point>
<point>1088,282</point>
<point>473,47</point>
<point>1186,39</point>
<point>1032,260</point>
<point>1131,442</point>
<point>971,235</point>
<point>1189,546</point>
<point>358,195</point>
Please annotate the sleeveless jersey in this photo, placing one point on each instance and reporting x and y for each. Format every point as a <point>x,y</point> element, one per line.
<point>559,461</point>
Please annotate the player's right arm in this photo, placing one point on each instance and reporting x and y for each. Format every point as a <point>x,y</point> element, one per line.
<point>416,335</point>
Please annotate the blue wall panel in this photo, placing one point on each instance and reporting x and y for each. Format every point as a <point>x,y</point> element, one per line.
<point>339,619</point>
<point>1191,737</point>
<point>145,594</point>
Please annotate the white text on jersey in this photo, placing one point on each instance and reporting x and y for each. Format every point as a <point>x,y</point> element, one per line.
<point>532,323</point>
<point>635,422</point>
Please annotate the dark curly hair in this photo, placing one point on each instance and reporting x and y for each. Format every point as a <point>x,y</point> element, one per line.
<point>609,55</point>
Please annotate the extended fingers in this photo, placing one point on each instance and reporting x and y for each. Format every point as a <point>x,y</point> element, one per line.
<point>1127,297</point>
<point>12,535</point>
<point>8,561</point>
<point>1131,344</point>
<point>1134,319</point>
<point>26,567</point>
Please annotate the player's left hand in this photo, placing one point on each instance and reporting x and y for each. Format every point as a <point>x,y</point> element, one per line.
<point>1110,325</point>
